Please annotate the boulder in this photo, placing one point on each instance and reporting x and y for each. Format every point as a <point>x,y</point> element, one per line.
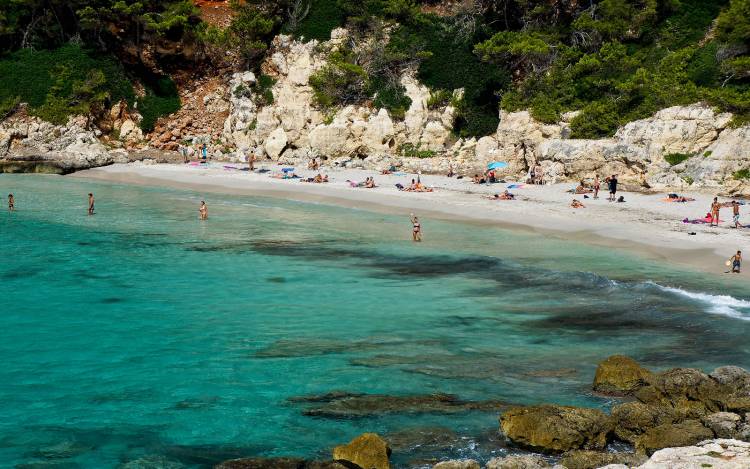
<point>457,464</point>
<point>713,454</point>
<point>518,462</point>
<point>367,451</point>
<point>686,433</point>
<point>275,143</point>
<point>687,390</point>
<point>583,459</point>
<point>632,419</point>
<point>723,424</point>
<point>620,375</point>
<point>553,428</point>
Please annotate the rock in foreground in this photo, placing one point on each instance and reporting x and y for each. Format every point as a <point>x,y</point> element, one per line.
<point>552,428</point>
<point>367,451</point>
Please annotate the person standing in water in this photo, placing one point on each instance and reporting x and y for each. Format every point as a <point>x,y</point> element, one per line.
<point>91,203</point>
<point>203,210</point>
<point>736,262</point>
<point>416,232</point>
<point>11,203</point>
<point>715,207</point>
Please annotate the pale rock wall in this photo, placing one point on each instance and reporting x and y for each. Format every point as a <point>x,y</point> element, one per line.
<point>68,147</point>
<point>292,130</point>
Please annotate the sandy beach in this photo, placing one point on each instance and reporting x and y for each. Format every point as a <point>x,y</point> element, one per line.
<point>645,222</point>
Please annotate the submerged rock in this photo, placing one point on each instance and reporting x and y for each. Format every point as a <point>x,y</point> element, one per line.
<point>366,405</point>
<point>263,463</point>
<point>368,451</point>
<point>553,428</point>
<point>620,375</point>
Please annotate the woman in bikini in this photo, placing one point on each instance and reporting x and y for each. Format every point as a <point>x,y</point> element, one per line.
<point>203,211</point>
<point>417,229</point>
<point>11,202</point>
<point>715,207</point>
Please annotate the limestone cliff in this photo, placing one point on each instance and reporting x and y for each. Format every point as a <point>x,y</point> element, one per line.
<point>291,129</point>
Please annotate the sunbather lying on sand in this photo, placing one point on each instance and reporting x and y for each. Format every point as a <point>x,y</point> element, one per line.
<point>677,198</point>
<point>504,196</point>
<point>285,175</point>
<point>581,189</point>
<point>577,204</point>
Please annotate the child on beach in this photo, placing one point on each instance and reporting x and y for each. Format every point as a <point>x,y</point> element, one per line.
<point>11,202</point>
<point>416,232</point>
<point>736,213</point>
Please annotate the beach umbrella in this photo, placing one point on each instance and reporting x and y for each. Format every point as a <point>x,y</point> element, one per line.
<point>497,165</point>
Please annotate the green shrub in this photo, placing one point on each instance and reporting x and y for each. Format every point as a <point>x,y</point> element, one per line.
<point>61,82</point>
<point>263,87</point>
<point>439,98</point>
<point>339,82</point>
<point>409,150</point>
<point>389,95</point>
<point>688,180</point>
<point>323,17</point>
<point>742,174</point>
<point>676,158</point>
<point>161,99</point>
<point>597,120</point>
<point>8,106</point>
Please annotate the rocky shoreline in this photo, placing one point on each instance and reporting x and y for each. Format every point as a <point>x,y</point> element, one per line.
<point>678,418</point>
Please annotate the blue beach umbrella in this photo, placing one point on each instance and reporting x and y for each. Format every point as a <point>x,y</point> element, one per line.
<point>497,165</point>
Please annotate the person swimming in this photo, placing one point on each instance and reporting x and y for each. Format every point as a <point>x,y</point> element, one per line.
<point>416,233</point>
<point>11,203</point>
<point>203,211</point>
<point>91,203</point>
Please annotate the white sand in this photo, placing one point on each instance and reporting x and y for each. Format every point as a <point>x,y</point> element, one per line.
<point>645,222</point>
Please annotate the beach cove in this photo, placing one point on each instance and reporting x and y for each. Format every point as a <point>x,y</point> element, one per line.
<point>143,333</point>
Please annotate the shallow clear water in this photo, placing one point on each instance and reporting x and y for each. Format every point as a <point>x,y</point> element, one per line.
<point>141,332</point>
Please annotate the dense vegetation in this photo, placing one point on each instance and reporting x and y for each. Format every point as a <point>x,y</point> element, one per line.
<point>80,57</point>
<point>614,60</point>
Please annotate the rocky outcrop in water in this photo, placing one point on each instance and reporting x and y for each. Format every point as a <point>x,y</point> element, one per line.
<point>367,451</point>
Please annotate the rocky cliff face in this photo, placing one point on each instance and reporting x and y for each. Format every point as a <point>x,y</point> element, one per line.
<point>32,145</point>
<point>292,129</point>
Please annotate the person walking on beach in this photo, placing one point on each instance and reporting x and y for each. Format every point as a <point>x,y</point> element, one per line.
<point>736,213</point>
<point>416,232</point>
<point>203,210</point>
<point>91,203</point>
<point>736,261</point>
<point>184,152</point>
<point>11,203</point>
<point>612,181</point>
<point>715,207</point>
<point>597,186</point>
<point>204,151</point>
<point>251,162</point>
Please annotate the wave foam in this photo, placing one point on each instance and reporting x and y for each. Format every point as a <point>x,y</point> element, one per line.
<point>724,305</point>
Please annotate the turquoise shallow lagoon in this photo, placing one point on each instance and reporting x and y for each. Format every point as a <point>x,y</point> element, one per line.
<point>141,332</point>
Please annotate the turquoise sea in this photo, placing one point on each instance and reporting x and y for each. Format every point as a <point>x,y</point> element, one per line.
<point>142,334</point>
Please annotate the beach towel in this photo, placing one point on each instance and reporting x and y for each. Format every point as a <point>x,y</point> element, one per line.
<point>516,186</point>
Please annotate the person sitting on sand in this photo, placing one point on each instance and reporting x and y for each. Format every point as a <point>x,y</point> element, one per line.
<point>370,183</point>
<point>11,203</point>
<point>577,204</point>
<point>736,262</point>
<point>450,171</point>
<point>318,178</point>
<point>581,189</point>
<point>203,210</point>
<point>478,179</point>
